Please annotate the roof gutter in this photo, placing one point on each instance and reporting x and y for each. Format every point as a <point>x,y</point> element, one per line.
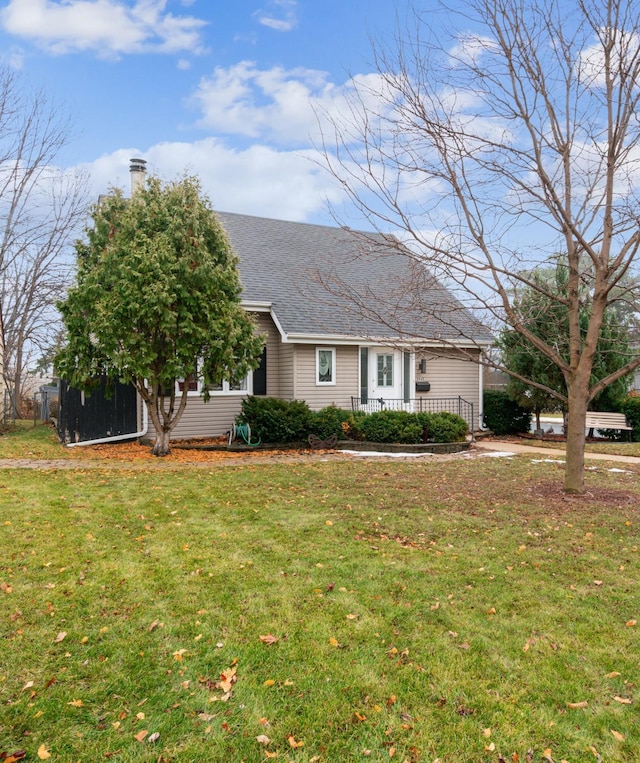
<point>119,437</point>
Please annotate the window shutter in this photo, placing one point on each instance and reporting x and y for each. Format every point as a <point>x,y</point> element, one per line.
<point>260,375</point>
<point>364,375</point>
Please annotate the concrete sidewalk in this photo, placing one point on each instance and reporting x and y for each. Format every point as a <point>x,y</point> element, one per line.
<point>556,453</point>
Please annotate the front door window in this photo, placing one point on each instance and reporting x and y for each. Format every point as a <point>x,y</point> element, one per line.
<point>385,370</point>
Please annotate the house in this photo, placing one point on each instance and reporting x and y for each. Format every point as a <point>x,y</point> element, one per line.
<point>342,327</point>
<point>350,319</point>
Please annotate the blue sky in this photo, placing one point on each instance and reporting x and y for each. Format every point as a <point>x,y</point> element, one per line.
<point>222,90</point>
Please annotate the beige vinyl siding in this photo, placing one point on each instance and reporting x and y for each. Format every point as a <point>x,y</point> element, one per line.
<point>214,418</point>
<point>202,419</point>
<point>286,367</point>
<point>320,395</point>
<point>450,376</point>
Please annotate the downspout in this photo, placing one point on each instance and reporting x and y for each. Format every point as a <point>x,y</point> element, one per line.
<point>119,437</point>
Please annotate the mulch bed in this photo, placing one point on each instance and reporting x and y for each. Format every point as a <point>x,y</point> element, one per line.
<point>553,491</point>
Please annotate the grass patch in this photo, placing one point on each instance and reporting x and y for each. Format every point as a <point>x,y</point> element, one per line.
<point>453,610</point>
<point>24,439</point>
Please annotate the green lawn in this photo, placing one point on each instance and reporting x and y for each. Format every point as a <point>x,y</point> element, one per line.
<point>455,610</point>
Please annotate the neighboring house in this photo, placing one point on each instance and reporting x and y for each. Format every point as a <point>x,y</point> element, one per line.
<point>343,327</point>
<point>324,309</point>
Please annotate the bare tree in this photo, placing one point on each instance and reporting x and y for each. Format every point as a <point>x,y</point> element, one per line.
<point>41,208</point>
<point>496,145</point>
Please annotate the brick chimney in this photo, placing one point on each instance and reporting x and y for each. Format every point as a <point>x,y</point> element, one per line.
<point>138,170</point>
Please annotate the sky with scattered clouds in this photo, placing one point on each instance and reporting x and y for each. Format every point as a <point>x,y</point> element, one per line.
<point>227,91</point>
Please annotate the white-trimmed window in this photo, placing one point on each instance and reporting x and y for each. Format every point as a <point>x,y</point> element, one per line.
<point>385,370</point>
<point>241,388</point>
<point>196,387</point>
<point>325,365</point>
<point>192,383</point>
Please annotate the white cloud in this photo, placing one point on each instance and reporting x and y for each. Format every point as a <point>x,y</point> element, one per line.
<point>290,107</point>
<point>624,56</point>
<point>259,180</point>
<point>107,27</point>
<point>470,48</point>
<point>279,15</point>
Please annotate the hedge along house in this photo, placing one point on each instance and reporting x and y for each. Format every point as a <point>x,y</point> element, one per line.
<point>350,319</point>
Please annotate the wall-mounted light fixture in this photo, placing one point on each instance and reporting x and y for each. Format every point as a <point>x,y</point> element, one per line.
<point>422,366</point>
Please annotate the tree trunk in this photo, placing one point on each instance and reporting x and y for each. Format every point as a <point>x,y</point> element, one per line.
<point>161,446</point>
<point>576,419</point>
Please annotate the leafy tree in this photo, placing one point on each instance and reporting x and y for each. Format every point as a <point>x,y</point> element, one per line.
<point>493,135</point>
<point>544,311</point>
<point>157,300</point>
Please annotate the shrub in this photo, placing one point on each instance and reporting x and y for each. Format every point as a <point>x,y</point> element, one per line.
<point>443,427</point>
<point>275,420</point>
<point>631,409</point>
<point>391,426</point>
<point>331,421</point>
<point>502,415</point>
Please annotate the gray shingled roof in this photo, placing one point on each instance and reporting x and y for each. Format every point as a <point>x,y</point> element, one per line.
<point>324,281</point>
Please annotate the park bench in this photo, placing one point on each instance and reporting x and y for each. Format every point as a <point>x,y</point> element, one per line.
<point>602,420</point>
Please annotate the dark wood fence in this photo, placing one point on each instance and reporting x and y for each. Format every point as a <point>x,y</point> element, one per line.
<point>109,410</point>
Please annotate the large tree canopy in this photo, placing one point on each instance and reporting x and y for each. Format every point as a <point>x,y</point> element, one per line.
<point>157,299</point>
<point>496,138</point>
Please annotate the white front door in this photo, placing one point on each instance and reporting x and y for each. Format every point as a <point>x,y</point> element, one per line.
<point>385,374</point>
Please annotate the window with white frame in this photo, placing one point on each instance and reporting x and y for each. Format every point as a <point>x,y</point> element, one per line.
<point>325,365</point>
<point>195,386</point>
<point>226,388</point>
<point>385,370</point>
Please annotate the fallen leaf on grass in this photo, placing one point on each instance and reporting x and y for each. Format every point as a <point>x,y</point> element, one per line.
<point>622,700</point>
<point>13,757</point>
<point>75,703</point>
<point>293,743</point>
<point>613,674</point>
<point>141,735</point>
<point>43,753</point>
<point>269,682</point>
<point>269,639</point>
<point>631,623</point>
<point>617,735</point>
<point>263,739</point>
<point>577,705</point>
<point>154,737</point>
<point>60,637</point>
